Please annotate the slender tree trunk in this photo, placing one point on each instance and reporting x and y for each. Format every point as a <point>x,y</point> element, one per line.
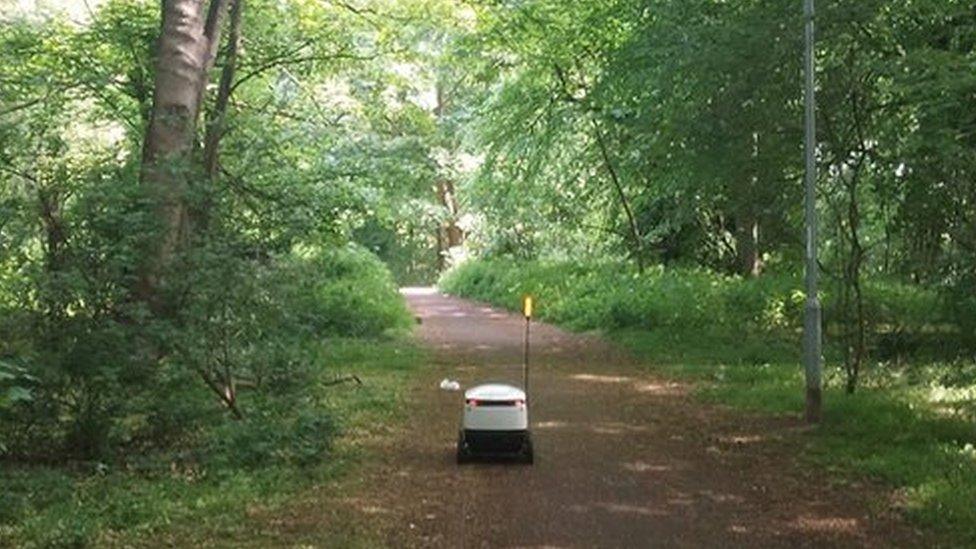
<point>857,341</point>
<point>637,240</point>
<point>747,246</point>
<point>50,204</point>
<point>215,129</point>
<point>857,338</point>
<point>635,234</point>
<point>185,51</point>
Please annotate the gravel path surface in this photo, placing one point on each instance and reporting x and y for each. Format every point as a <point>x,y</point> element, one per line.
<point>623,459</point>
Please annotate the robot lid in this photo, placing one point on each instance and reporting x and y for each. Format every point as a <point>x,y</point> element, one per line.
<point>494,391</point>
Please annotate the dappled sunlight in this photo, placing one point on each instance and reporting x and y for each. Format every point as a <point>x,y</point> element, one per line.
<point>658,388</point>
<point>550,425</point>
<point>681,500</point>
<point>493,314</point>
<point>716,497</point>
<point>642,467</point>
<point>740,440</point>
<point>596,378</point>
<point>367,506</point>
<point>616,428</point>
<point>418,290</point>
<point>826,525</point>
<point>621,508</point>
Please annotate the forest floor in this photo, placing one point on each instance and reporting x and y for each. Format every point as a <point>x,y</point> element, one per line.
<point>624,458</point>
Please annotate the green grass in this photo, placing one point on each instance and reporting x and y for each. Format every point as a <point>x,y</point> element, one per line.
<point>909,427</point>
<point>892,434</point>
<point>95,505</point>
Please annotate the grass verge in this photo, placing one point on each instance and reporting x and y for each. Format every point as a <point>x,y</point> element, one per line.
<point>896,430</point>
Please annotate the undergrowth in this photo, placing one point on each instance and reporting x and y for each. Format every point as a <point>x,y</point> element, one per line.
<point>255,467</point>
<point>97,448</point>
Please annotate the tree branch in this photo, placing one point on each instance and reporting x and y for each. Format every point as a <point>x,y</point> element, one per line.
<point>286,60</point>
<point>631,220</point>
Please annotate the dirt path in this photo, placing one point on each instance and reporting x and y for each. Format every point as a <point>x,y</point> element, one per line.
<point>623,459</point>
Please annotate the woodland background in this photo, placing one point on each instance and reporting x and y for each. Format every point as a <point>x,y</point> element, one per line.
<point>206,209</point>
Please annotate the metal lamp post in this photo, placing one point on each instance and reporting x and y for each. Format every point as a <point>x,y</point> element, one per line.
<point>812,337</point>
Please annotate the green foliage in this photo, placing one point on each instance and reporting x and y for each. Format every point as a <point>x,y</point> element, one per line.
<point>273,439</point>
<point>257,326</point>
<point>349,293</point>
<point>905,320</point>
<point>699,104</point>
<point>13,381</point>
<point>112,374</point>
<point>208,392</point>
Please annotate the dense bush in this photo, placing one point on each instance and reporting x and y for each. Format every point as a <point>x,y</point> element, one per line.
<point>349,292</point>
<point>84,388</point>
<point>270,437</point>
<point>609,295</point>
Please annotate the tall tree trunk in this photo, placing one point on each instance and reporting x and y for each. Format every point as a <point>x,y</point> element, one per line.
<point>747,245</point>
<point>857,339</point>
<point>50,203</point>
<point>441,249</point>
<point>449,234</point>
<point>185,51</point>
<point>447,198</point>
<point>857,347</point>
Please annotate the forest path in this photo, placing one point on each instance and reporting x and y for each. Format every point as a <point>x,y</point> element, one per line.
<point>623,458</point>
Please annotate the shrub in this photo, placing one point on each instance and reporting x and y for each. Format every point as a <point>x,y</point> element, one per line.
<point>348,292</point>
<point>613,296</point>
<point>96,395</point>
<point>272,437</point>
